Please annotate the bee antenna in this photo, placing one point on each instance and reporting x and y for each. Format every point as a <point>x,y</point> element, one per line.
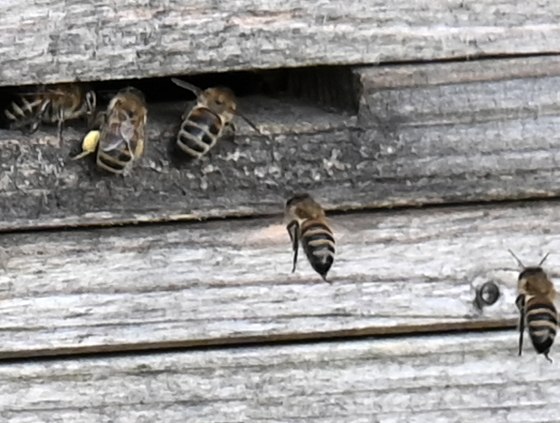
<point>519,262</point>
<point>251,124</point>
<point>188,86</point>
<point>544,259</point>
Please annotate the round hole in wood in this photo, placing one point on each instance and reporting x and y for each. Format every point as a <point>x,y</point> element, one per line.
<point>487,294</point>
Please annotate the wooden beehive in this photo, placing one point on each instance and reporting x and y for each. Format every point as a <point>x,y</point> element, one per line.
<point>142,313</point>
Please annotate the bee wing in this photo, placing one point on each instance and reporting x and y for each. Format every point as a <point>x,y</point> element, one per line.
<point>120,132</point>
<point>31,91</point>
<point>56,92</point>
<point>127,130</point>
<point>274,233</point>
<point>556,302</point>
<point>28,93</point>
<point>112,136</point>
<point>111,142</point>
<point>188,86</point>
<point>340,230</point>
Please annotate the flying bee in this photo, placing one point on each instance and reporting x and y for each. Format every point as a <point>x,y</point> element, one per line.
<point>208,121</point>
<point>307,224</point>
<point>122,136</point>
<point>52,104</point>
<point>537,311</point>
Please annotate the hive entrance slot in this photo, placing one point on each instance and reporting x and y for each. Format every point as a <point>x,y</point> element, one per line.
<point>329,87</point>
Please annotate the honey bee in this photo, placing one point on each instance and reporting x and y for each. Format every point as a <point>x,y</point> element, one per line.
<point>537,311</point>
<point>208,121</point>
<point>307,224</point>
<point>122,136</point>
<point>52,104</point>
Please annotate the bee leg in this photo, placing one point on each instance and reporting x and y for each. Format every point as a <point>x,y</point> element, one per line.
<point>228,133</point>
<point>33,126</point>
<point>272,150</point>
<point>547,357</point>
<point>129,148</point>
<point>520,303</point>
<point>293,229</point>
<point>29,126</point>
<point>36,120</point>
<point>60,124</point>
<point>133,154</point>
<point>59,128</point>
<point>96,120</point>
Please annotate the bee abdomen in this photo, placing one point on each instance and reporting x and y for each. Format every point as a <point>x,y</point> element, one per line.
<point>199,132</point>
<point>23,111</point>
<point>318,242</point>
<point>114,161</point>
<point>542,320</point>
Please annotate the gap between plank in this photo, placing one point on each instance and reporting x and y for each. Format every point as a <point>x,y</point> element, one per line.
<point>248,341</point>
<point>193,218</point>
<point>460,59</point>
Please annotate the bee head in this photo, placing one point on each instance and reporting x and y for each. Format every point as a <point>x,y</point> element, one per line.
<point>534,281</point>
<point>220,100</point>
<point>129,101</point>
<point>298,198</point>
<point>303,206</point>
<point>133,93</point>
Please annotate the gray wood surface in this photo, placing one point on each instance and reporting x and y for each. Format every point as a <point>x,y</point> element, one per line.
<point>42,186</point>
<point>434,133</point>
<point>229,281</point>
<point>464,131</point>
<point>465,378</point>
<point>53,41</point>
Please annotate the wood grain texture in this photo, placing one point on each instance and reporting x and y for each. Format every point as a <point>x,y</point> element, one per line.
<point>50,41</point>
<point>424,134</point>
<point>461,378</point>
<point>42,186</point>
<point>463,131</point>
<point>226,282</point>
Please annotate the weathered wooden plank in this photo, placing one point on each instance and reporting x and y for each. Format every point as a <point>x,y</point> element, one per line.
<point>460,378</point>
<point>468,130</point>
<point>431,133</point>
<point>224,282</point>
<point>42,186</point>
<point>50,41</point>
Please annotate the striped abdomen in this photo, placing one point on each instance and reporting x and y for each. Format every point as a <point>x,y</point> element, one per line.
<point>318,243</point>
<point>114,161</point>
<point>541,320</point>
<point>26,111</point>
<point>60,102</point>
<point>116,153</point>
<point>199,132</point>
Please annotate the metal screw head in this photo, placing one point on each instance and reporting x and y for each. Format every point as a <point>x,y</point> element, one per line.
<point>487,294</point>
